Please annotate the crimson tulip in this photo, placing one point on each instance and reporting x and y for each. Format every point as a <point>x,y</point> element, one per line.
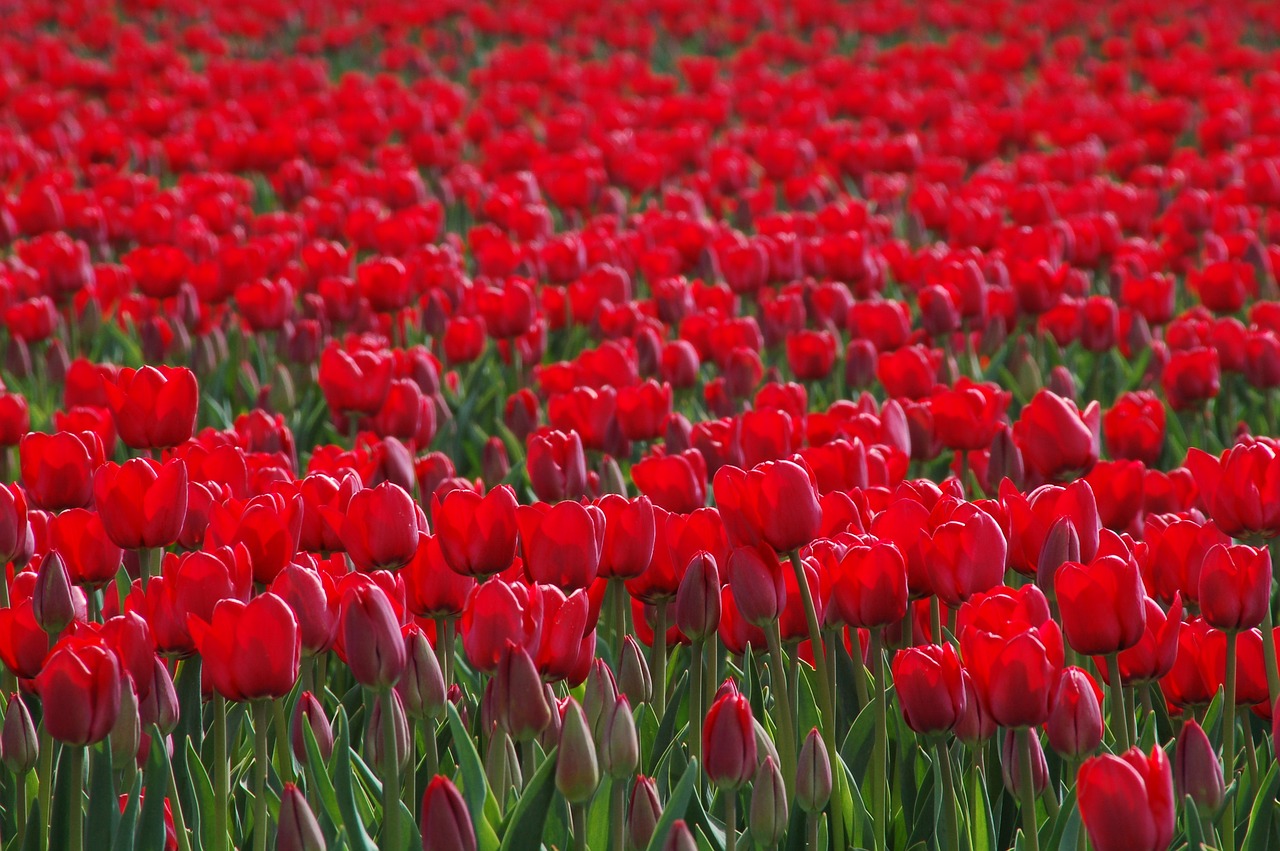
<point>142,503</point>
<point>930,687</point>
<point>1013,650</point>
<point>477,535</point>
<point>775,502</point>
<point>57,469</point>
<point>380,527</point>
<point>729,741</point>
<point>250,650</point>
<point>1057,440</point>
<point>371,640</point>
<point>1126,802</point>
<point>1235,587</point>
<point>155,406</point>
<point>561,543</point>
<point>1101,604</point>
<point>82,678</point>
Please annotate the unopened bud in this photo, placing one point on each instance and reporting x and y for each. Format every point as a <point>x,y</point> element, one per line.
<point>634,679</point>
<point>768,815</point>
<point>309,711</point>
<point>19,745</point>
<point>813,774</point>
<point>421,687</point>
<point>298,830</point>
<point>577,772</point>
<point>620,746</point>
<point>52,600</point>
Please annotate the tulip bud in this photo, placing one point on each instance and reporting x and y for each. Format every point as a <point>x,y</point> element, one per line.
<point>1013,763</point>
<point>519,703</point>
<point>859,364</point>
<point>577,772</point>
<point>758,587</point>
<point>18,358</point>
<point>19,744</point>
<point>974,725</point>
<point>680,838</point>
<point>494,463</point>
<point>677,433</point>
<point>994,335</point>
<point>619,745</point>
<point>1061,545</point>
<point>1005,460</point>
<point>813,774</point>
<point>56,362</point>
<point>643,812</point>
<point>446,823</point>
<point>729,741</point>
<point>1075,722</point>
<point>52,600</point>
<point>502,765</point>
<point>127,732</point>
<point>160,706</point>
<point>376,735</point>
<point>768,815</point>
<point>371,636</point>
<point>600,696</point>
<point>1197,771</point>
<point>611,478</point>
<point>298,829</point>
<point>309,711</point>
<point>421,687</point>
<point>698,597</point>
<point>633,673</point>
<point>1062,382</point>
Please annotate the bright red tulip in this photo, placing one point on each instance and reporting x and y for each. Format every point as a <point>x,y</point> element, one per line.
<point>477,535</point>
<point>1013,650</point>
<point>249,651</point>
<point>82,678</point>
<point>561,543</point>
<point>380,527</point>
<point>1126,801</point>
<point>1235,587</point>
<point>57,469</point>
<point>869,588</point>
<point>930,688</point>
<point>142,503</point>
<point>1057,440</point>
<point>1102,604</point>
<point>775,503</point>
<point>729,742</point>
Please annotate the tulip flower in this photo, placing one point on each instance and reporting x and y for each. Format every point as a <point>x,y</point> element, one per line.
<point>1056,439</point>
<point>142,503</point>
<point>1197,771</point>
<point>477,535</point>
<point>1101,604</point>
<point>380,527</point>
<point>1075,723</point>
<point>298,829</point>
<point>57,469</point>
<point>1126,802</point>
<point>371,637</point>
<point>729,742</point>
<point>91,557</point>
<point>930,688</point>
<point>869,588</point>
<point>82,678</point>
<point>1235,587</point>
<point>767,816</point>
<point>445,822</point>
<point>775,503</point>
<point>1238,488</point>
<point>250,651</point>
<point>561,543</point>
<point>154,407</point>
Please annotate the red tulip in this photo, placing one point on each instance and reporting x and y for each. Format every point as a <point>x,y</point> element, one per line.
<point>380,527</point>
<point>1235,587</point>
<point>15,419</point>
<point>629,534</point>
<point>498,612</point>
<point>446,823</point>
<point>91,557</point>
<point>561,543</point>
<point>432,588</point>
<point>1134,427</point>
<point>967,416</point>
<point>1056,439</point>
<point>14,526</point>
<point>477,535</point>
<point>557,466</point>
<point>930,688</point>
<point>310,593</point>
<point>775,502</point>
<point>675,482</point>
<point>354,381</point>
<point>268,526</point>
<point>1153,656</point>
<point>82,679</point>
<point>371,640</point>
<point>756,578</point>
<point>142,503</point>
<point>1075,724</point>
<point>1126,801</point>
<point>966,555</point>
<point>250,651</point>
<point>1101,604</point>
<point>154,407</point>
<point>729,742</point>
<point>1240,488</point>
<point>1013,650</point>
<point>57,469</point>
<point>869,588</point>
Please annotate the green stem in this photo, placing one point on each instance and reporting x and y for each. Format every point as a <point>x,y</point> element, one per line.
<point>44,781</point>
<point>179,821</point>
<point>221,776</point>
<point>617,594</point>
<point>782,704</point>
<point>658,658</point>
<point>261,756</point>
<point>20,808</point>
<point>391,840</point>
<point>1119,724</point>
<point>429,740</point>
<point>1027,791</point>
<point>1229,740</point>
<point>578,814</point>
<point>730,819</point>
<point>77,796</point>
<point>284,753</point>
<point>617,817</point>
<point>1269,646</point>
<point>949,803</point>
<point>695,701</point>
<point>935,619</point>
<point>879,752</point>
<point>859,681</point>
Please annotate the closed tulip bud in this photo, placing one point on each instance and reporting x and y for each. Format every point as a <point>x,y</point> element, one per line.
<point>619,745</point>
<point>298,829</point>
<point>375,733</point>
<point>755,575</point>
<point>1062,382</point>
<point>494,463</point>
<point>643,811</point>
<point>767,816</point>
<point>160,706</point>
<point>698,597</point>
<point>19,744</point>
<point>446,823</point>
<point>1197,771</point>
<point>634,679</point>
<point>1075,722</point>
<point>519,702</point>
<point>859,364</point>
<point>371,637</point>
<point>611,478</point>
<point>577,772</point>
<point>550,736</point>
<point>813,774</point>
<point>502,766</point>
<point>680,838</point>
<point>1013,762</point>
<point>127,732</point>
<point>309,711</point>
<point>53,600</point>
<point>1005,459</point>
<point>729,741</point>
<point>421,688</point>
<point>975,725</point>
<point>600,696</point>
<point>1061,545</point>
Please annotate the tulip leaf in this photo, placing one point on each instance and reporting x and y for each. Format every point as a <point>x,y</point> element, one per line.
<point>697,816</point>
<point>982,825</point>
<point>475,787</point>
<point>524,826</point>
<point>344,786</point>
<point>32,842</point>
<point>676,807</point>
<point>201,822</point>
<point>103,814</point>
<point>1258,837</point>
<point>667,729</point>
<point>1067,826</point>
<point>60,808</point>
<point>321,785</point>
<point>151,821</point>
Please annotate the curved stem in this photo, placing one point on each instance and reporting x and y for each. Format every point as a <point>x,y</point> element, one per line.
<point>1119,724</point>
<point>879,752</point>
<point>1027,791</point>
<point>260,759</point>
<point>782,705</point>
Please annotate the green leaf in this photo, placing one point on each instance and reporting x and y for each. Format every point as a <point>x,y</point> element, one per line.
<point>523,831</point>
<point>598,815</point>
<point>475,788</point>
<point>124,835</point>
<point>201,821</point>
<point>1194,827</point>
<point>60,808</point>
<point>321,785</point>
<point>1262,816</point>
<point>667,729</point>
<point>1067,827</point>
<point>151,822</point>
<point>344,786</point>
<point>676,806</point>
<point>104,809</point>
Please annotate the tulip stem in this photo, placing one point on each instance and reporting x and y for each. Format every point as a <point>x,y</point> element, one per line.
<point>77,793</point>
<point>617,816</point>
<point>260,759</point>
<point>1027,789</point>
<point>860,667</point>
<point>730,819</point>
<point>44,779</point>
<point>935,619</point>
<point>1119,724</point>
<point>617,594</point>
<point>658,659</point>
<point>429,740</point>
<point>284,753</point>
<point>1229,740</point>
<point>1269,651</point>
<point>828,713</point>
<point>949,803</point>
<point>879,751</point>
<point>444,648</point>
<point>578,814</point>
<point>782,703</point>
<point>391,840</point>
<point>20,809</point>
<point>221,775</point>
<point>695,701</point>
<point>179,821</point>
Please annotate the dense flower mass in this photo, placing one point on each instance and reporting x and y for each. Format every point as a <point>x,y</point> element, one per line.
<point>637,424</point>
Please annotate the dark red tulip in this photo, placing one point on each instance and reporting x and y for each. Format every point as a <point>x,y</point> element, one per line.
<point>1056,439</point>
<point>310,593</point>
<point>557,466</point>
<point>14,526</point>
<point>759,591</point>
<point>1235,587</point>
<point>561,543</point>
<point>1197,771</point>
<point>446,822</point>
<point>1191,378</point>
<point>82,678</point>
<point>1013,650</point>
<point>1075,724</point>
<point>1126,802</point>
<point>15,419</point>
<point>371,639</point>
<point>142,503</point>
<point>930,688</point>
<point>729,742</point>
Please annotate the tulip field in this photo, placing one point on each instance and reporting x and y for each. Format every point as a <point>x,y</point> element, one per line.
<point>639,425</point>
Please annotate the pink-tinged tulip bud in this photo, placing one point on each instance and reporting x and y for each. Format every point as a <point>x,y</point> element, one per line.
<point>53,600</point>
<point>1075,722</point>
<point>577,772</point>
<point>768,813</point>
<point>634,679</point>
<point>19,744</point>
<point>813,774</point>
<point>421,688</point>
<point>375,736</point>
<point>1126,802</point>
<point>600,696</point>
<point>1062,382</point>
<point>619,745</point>
<point>446,823</point>
<point>494,463</point>
<point>298,829</point>
<point>611,479</point>
<point>729,741</point>
<point>309,711</point>
<point>371,636</point>
<point>519,703</point>
<point>126,734</point>
<point>680,838</point>
<point>1005,459</point>
<point>698,598</point>
<point>160,706</point>
<point>1013,763</point>
<point>1061,545</point>
<point>643,811</point>
<point>1197,771</point>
